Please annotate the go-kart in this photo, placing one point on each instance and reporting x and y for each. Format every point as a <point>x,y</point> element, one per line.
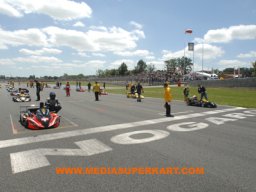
<point>32,118</point>
<point>12,89</point>
<point>56,87</point>
<point>134,95</point>
<point>103,92</point>
<point>17,92</point>
<point>193,101</point>
<point>80,89</point>
<point>22,98</point>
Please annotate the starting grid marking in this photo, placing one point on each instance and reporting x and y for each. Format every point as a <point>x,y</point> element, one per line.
<point>68,134</point>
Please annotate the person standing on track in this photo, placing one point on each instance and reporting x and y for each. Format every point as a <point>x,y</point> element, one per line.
<point>89,86</point>
<point>139,89</point>
<point>96,90</point>
<point>167,99</point>
<point>68,89</point>
<point>202,92</point>
<point>186,93</point>
<point>38,89</point>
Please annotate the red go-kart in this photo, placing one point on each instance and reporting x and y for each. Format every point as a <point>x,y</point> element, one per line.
<point>32,117</point>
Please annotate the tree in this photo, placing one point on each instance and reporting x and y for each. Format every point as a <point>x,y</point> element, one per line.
<point>185,65</point>
<point>141,67</point>
<point>171,67</point>
<point>151,68</point>
<point>100,73</point>
<point>123,69</point>
<point>254,68</point>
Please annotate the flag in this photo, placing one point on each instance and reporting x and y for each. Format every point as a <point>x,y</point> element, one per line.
<point>188,31</point>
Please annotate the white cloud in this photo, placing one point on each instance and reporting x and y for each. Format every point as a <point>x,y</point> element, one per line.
<point>97,64</point>
<point>109,39</point>
<point>159,65</point>
<point>224,35</point>
<point>71,38</point>
<point>150,57</point>
<point>80,64</point>
<point>209,52</point>
<point>6,62</point>
<point>29,37</point>
<point>82,54</point>
<point>98,55</point>
<point>136,25</point>
<point>251,54</point>
<point>37,59</point>
<point>232,64</point>
<point>130,64</point>
<point>57,9</point>
<point>42,51</point>
<point>7,9</point>
<point>114,39</point>
<point>79,24</point>
<point>139,53</point>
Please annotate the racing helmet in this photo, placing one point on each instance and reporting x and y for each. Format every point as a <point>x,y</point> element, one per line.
<point>52,95</point>
<point>41,105</point>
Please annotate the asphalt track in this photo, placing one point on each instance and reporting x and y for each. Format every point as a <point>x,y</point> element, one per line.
<point>119,132</point>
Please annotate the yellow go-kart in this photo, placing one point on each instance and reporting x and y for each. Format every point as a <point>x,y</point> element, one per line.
<point>134,95</point>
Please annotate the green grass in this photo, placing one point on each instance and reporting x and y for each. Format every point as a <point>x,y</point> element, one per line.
<point>242,97</point>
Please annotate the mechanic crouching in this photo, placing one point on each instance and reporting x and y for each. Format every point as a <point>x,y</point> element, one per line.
<point>52,103</point>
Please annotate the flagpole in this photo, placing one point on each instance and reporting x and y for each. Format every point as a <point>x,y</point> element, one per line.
<point>187,31</point>
<point>202,55</point>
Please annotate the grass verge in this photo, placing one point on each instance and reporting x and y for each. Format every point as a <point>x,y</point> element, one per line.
<point>242,97</point>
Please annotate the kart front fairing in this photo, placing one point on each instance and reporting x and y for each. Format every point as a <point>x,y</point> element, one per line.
<point>33,120</point>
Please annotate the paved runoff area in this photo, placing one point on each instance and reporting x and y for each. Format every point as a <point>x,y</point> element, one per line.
<point>117,144</point>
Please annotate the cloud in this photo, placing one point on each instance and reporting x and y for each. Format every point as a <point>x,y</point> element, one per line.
<point>79,24</point>
<point>159,64</point>
<point>251,54</point>
<point>77,40</point>
<point>116,64</point>
<point>37,59</point>
<point>232,64</point>
<point>80,64</point>
<point>29,37</point>
<point>139,53</point>
<point>225,35</point>
<point>7,9</point>
<point>6,62</point>
<point>98,55</point>
<point>114,39</point>
<point>209,52</point>
<point>57,9</point>
<point>43,51</point>
<point>136,25</point>
<point>82,54</point>
<point>96,39</point>
<point>97,64</point>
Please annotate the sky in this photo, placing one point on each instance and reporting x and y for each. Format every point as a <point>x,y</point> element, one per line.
<point>53,37</point>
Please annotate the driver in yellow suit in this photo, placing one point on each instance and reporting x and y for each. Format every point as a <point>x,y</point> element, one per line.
<point>96,90</point>
<point>167,99</point>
